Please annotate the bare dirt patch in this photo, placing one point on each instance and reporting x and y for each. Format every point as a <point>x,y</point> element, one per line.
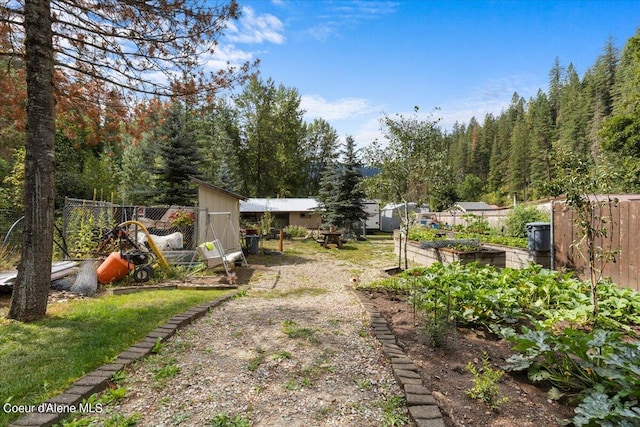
<point>445,373</point>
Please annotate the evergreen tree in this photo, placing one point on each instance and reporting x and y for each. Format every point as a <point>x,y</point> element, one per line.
<point>341,195</point>
<point>179,159</point>
<point>474,146</point>
<point>482,153</point>
<point>519,159</point>
<point>498,180</point>
<point>541,143</point>
<point>556,78</point>
<point>458,149</point>
<point>573,116</point>
<point>328,193</point>
<point>137,174</point>
<point>621,131</point>
<point>599,84</point>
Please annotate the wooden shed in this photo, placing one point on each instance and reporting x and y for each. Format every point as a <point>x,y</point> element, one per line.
<point>219,210</point>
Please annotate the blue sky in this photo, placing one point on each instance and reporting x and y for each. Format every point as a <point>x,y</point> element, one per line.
<point>354,61</point>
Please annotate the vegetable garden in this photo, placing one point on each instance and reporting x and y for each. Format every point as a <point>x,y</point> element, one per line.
<point>592,363</point>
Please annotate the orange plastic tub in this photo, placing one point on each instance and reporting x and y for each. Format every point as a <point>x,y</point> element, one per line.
<point>113,268</point>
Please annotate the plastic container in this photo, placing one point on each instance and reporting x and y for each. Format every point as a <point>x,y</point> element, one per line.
<point>113,268</point>
<point>539,234</point>
<point>252,244</point>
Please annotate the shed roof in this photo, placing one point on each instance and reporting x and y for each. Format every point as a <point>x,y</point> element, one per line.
<point>278,205</point>
<point>391,206</point>
<point>216,188</point>
<point>474,206</point>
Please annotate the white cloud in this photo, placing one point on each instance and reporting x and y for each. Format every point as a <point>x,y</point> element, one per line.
<point>324,31</point>
<point>333,17</point>
<point>252,28</point>
<point>492,96</point>
<point>340,109</point>
<point>227,55</point>
<point>356,117</point>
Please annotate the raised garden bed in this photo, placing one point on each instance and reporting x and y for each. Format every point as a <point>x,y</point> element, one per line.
<point>486,254</point>
<point>446,255</point>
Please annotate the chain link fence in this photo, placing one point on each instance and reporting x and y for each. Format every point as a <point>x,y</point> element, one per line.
<point>85,224</point>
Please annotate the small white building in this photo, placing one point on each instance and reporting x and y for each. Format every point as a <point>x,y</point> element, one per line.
<point>390,215</point>
<point>285,211</point>
<point>372,208</point>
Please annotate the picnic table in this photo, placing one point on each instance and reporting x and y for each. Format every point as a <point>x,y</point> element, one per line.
<point>331,237</point>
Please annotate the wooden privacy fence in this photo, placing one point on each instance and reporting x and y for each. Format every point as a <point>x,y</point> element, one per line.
<point>623,239</point>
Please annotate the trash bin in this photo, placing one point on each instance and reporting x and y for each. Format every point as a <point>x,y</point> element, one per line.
<point>251,242</point>
<point>539,234</point>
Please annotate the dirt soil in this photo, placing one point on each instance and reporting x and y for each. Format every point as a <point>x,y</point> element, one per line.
<point>444,371</point>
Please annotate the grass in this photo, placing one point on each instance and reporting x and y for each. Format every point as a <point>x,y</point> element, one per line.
<point>292,330</point>
<point>41,359</point>
<point>393,412</point>
<point>377,247</point>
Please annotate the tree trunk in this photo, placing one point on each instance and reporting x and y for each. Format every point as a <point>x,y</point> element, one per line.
<point>31,289</point>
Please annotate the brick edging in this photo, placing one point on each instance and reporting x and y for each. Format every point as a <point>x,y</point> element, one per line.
<point>61,406</point>
<point>421,404</point>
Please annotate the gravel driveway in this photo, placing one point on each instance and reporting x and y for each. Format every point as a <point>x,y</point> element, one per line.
<point>296,350</point>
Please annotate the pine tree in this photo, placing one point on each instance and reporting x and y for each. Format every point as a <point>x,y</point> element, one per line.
<point>341,195</point>
<point>180,158</point>
<point>541,143</point>
<point>621,131</point>
<point>573,116</point>
<point>599,83</point>
<point>519,159</point>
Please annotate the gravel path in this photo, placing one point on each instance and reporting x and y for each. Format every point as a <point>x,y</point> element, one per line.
<point>296,350</point>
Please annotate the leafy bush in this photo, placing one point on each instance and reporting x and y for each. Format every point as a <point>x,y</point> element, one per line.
<point>474,224</point>
<point>515,224</point>
<point>422,234</point>
<point>601,368</point>
<point>485,385</point>
<point>296,231</point>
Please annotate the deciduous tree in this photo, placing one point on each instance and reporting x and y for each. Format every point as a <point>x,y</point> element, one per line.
<point>411,165</point>
<point>270,148</point>
<point>125,43</point>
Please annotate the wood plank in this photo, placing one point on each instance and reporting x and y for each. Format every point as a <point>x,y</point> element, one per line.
<point>634,243</point>
<point>623,257</point>
<point>611,212</point>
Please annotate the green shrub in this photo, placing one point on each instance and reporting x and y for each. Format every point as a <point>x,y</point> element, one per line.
<point>485,383</point>
<point>419,233</point>
<point>515,224</point>
<point>296,231</point>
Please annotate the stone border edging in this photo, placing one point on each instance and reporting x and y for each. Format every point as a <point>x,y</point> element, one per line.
<point>423,408</point>
<point>63,405</point>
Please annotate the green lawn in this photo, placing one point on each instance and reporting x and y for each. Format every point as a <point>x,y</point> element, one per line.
<point>39,360</point>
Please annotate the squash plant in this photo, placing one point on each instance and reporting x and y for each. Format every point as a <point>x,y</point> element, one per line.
<point>600,367</point>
